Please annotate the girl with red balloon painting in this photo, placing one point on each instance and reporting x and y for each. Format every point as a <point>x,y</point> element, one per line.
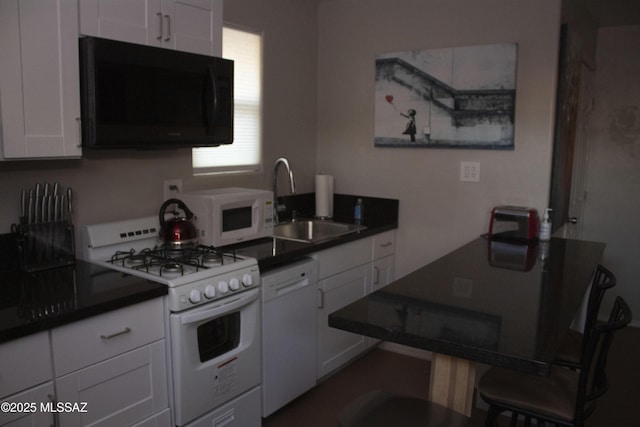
<point>410,128</point>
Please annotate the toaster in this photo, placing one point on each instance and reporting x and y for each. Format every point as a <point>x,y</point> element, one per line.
<point>514,223</point>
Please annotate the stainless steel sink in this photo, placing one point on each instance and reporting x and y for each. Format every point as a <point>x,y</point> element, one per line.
<point>312,231</point>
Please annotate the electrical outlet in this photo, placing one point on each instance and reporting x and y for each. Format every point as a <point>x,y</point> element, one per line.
<point>172,187</point>
<point>470,171</point>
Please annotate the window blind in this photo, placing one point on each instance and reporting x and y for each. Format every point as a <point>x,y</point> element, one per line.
<point>245,154</point>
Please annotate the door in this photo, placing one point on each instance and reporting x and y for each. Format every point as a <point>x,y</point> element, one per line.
<point>215,351</point>
<point>578,195</point>
<point>573,109</point>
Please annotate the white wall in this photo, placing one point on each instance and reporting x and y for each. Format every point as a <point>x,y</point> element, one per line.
<point>613,173</point>
<point>437,212</point>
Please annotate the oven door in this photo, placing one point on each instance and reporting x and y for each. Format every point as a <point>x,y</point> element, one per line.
<point>216,353</point>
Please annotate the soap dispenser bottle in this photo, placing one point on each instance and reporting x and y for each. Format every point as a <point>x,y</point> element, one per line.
<point>545,226</point>
<point>358,212</point>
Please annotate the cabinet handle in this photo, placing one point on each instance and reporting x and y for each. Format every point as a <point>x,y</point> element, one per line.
<point>108,337</point>
<point>376,275</point>
<point>386,245</point>
<point>79,121</point>
<point>168,18</point>
<point>54,415</point>
<point>159,15</point>
<point>320,298</point>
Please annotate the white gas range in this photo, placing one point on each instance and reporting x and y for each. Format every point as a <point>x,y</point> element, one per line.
<point>213,317</point>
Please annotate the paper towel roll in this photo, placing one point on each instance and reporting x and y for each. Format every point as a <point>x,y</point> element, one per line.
<point>324,196</point>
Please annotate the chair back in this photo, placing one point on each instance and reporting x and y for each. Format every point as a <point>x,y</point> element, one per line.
<point>603,279</point>
<point>597,343</point>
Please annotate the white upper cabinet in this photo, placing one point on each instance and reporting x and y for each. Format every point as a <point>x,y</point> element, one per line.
<point>39,79</point>
<point>186,25</point>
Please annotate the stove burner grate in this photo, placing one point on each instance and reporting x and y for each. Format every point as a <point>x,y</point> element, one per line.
<point>172,262</point>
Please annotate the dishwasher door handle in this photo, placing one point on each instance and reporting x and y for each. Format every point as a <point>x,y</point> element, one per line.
<point>293,285</point>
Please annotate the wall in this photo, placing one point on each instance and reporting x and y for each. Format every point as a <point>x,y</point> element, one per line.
<point>614,160</point>
<point>437,212</point>
<point>118,185</point>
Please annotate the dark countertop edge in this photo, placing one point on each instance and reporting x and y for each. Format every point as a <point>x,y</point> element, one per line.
<point>79,314</point>
<point>303,249</point>
<point>450,349</point>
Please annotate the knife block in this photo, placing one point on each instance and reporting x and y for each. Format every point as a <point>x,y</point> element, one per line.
<point>44,245</point>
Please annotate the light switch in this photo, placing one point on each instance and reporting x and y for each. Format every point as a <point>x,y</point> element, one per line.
<point>470,171</point>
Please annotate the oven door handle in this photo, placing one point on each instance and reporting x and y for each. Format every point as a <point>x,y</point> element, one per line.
<point>226,307</point>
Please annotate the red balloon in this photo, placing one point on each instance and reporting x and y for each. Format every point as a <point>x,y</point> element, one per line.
<point>389,98</point>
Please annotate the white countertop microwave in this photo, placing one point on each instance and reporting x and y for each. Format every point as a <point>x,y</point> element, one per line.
<point>224,216</point>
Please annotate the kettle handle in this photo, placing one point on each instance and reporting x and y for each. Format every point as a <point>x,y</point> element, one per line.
<point>180,204</point>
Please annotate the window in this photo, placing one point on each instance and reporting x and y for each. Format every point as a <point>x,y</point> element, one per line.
<point>245,154</point>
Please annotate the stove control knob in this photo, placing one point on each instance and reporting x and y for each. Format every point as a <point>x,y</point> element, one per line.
<point>210,291</point>
<point>247,280</point>
<point>223,287</point>
<point>234,284</point>
<point>194,296</point>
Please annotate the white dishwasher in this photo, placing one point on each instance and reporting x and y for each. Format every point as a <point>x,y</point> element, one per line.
<point>288,333</point>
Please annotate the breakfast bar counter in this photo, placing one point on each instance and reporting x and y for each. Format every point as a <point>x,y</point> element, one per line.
<point>500,303</point>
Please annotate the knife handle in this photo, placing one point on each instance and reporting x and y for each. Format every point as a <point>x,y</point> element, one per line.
<point>23,206</point>
<point>30,216</point>
<point>69,203</point>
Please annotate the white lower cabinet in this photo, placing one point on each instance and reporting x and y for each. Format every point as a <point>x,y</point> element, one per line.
<point>383,249</point>
<point>347,273</point>
<point>24,363</point>
<point>336,347</point>
<point>26,381</point>
<point>114,365</point>
<point>120,391</point>
<point>38,400</point>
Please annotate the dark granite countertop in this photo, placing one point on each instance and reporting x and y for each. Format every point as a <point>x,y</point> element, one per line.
<point>380,215</point>
<point>498,303</point>
<point>42,300</point>
<point>37,301</point>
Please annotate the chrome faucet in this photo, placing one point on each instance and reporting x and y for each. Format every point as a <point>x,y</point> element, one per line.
<point>292,186</point>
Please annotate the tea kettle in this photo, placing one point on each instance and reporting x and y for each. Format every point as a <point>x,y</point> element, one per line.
<point>178,232</point>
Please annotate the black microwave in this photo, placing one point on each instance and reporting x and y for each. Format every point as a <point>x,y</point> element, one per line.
<point>143,97</point>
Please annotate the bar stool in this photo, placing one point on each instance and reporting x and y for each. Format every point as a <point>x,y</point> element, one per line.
<point>565,396</point>
<point>380,408</point>
<point>571,349</point>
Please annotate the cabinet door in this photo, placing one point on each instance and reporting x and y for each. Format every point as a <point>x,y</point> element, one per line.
<point>193,26</point>
<point>384,244</point>
<point>134,21</point>
<point>336,347</point>
<point>382,272</point>
<point>106,335</point>
<point>33,416</point>
<point>186,25</point>
<point>120,391</point>
<point>39,79</point>
<point>25,362</point>
<point>343,257</point>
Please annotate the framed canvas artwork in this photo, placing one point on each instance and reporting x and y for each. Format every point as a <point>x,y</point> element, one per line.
<point>461,97</point>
